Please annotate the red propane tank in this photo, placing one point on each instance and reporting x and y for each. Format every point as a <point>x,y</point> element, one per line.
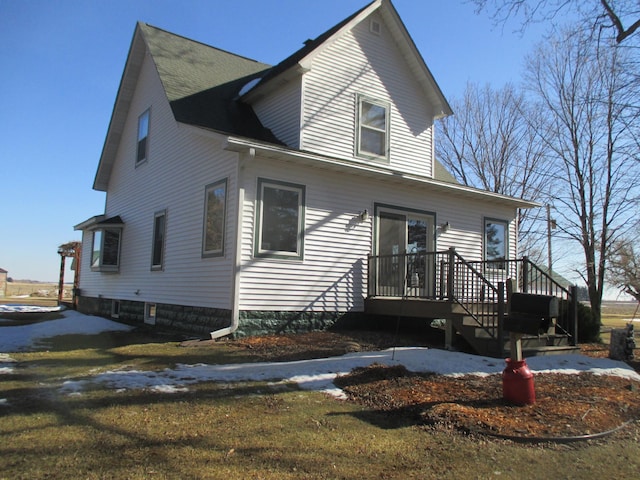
<point>517,383</point>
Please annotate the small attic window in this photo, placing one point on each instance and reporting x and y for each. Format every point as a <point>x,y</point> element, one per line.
<point>375,27</point>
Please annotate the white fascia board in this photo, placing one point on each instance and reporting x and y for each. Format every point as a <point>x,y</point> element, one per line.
<point>307,61</point>
<point>255,148</point>
<point>210,133</point>
<point>87,224</point>
<point>126,89</point>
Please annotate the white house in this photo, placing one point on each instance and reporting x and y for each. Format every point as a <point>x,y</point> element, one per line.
<point>244,197</point>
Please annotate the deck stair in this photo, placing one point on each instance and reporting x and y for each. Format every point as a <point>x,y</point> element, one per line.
<point>473,299</point>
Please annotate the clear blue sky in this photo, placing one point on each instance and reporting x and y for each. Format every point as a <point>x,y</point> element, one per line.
<point>61,64</point>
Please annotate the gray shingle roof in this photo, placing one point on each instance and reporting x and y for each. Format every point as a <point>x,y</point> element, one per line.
<point>202,83</point>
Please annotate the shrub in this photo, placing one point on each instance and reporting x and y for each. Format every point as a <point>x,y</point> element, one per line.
<point>588,325</point>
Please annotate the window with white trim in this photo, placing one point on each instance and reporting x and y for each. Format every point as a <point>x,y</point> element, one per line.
<point>143,137</point>
<point>495,242</point>
<point>159,233</point>
<point>214,219</point>
<point>105,251</point>
<point>280,222</point>
<point>372,129</point>
<point>150,310</point>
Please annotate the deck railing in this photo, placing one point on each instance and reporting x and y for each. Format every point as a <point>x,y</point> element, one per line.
<point>480,288</point>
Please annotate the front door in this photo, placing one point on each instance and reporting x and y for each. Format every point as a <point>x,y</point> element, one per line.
<point>405,244</point>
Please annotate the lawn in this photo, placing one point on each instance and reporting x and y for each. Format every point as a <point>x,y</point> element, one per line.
<point>243,430</point>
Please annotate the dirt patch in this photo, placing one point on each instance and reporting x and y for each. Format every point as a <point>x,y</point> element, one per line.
<point>304,346</point>
<point>566,406</point>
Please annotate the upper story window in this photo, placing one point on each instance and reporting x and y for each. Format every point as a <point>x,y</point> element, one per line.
<point>495,242</point>
<point>159,232</point>
<point>372,129</point>
<point>143,137</point>
<point>214,219</point>
<point>280,229</point>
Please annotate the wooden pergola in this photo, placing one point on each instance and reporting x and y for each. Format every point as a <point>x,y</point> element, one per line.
<point>74,251</point>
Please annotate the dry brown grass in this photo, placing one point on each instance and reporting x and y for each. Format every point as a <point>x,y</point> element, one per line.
<point>247,430</point>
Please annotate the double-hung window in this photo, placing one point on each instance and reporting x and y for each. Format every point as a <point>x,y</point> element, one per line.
<point>143,137</point>
<point>159,233</point>
<point>214,219</point>
<point>495,243</point>
<point>372,129</point>
<point>280,220</point>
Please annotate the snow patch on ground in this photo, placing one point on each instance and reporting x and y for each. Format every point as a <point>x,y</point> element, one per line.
<point>30,309</point>
<point>26,337</point>
<point>314,374</point>
<point>319,374</point>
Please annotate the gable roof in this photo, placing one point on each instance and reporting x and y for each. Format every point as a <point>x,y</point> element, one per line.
<point>301,59</point>
<point>203,84</point>
<point>200,82</point>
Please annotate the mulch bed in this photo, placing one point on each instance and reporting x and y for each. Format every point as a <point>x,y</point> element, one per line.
<point>567,407</point>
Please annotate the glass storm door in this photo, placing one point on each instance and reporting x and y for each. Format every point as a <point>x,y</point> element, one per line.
<point>405,244</point>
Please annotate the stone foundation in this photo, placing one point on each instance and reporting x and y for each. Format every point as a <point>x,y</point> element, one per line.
<point>199,320</point>
<point>255,322</point>
<point>204,320</point>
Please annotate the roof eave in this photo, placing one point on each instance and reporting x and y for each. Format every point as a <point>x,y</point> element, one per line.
<point>120,111</point>
<point>414,57</point>
<point>238,144</point>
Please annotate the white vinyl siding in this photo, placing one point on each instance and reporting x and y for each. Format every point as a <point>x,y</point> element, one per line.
<point>363,63</point>
<point>332,275</point>
<point>183,164</point>
<point>280,112</point>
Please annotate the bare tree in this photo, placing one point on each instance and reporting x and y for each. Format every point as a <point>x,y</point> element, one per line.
<point>591,130</point>
<point>624,267</point>
<point>489,144</point>
<point>622,17</point>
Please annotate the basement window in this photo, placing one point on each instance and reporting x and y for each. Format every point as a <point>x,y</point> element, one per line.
<point>150,313</point>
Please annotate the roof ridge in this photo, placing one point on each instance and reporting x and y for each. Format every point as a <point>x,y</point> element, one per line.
<point>222,50</point>
<point>309,46</point>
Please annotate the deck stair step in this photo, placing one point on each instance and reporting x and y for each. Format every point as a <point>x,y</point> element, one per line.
<point>479,331</point>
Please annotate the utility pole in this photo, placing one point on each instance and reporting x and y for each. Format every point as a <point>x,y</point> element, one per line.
<point>550,224</point>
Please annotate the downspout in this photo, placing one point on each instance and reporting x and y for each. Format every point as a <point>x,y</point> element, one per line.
<point>237,255</point>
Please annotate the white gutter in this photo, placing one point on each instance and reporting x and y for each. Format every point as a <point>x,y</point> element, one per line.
<point>237,257</point>
<point>239,144</point>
